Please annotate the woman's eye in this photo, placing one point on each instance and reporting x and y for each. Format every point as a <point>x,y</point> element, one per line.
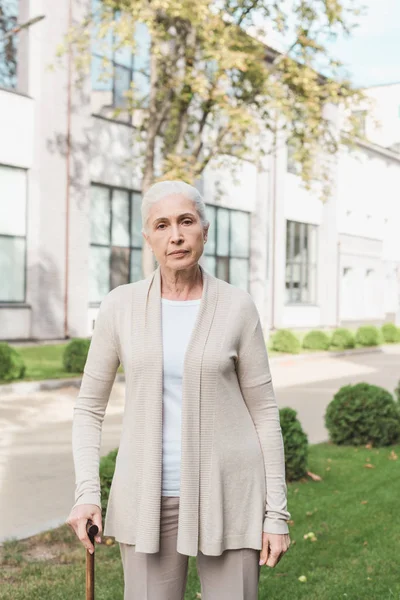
<point>188,221</point>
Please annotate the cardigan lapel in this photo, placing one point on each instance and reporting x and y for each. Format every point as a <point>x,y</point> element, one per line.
<point>151,477</point>
<point>148,523</point>
<point>188,526</point>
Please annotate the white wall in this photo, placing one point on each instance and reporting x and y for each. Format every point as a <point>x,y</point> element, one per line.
<point>368,213</point>
<point>386,110</point>
<point>16,129</point>
<point>238,190</point>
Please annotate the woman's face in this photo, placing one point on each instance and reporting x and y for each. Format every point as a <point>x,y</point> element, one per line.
<point>175,233</point>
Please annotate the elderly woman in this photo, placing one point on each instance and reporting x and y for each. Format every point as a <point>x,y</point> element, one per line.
<point>200,469</point>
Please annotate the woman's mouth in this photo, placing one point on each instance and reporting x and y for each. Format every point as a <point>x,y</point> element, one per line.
<point>179,253</point>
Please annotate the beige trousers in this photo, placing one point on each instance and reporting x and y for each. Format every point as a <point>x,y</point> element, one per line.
<point>233,575</point>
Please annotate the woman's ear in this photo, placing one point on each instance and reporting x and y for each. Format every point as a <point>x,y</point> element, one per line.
<point>146,239</point>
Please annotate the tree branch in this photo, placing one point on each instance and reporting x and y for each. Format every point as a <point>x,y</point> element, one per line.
<point>215,150</point>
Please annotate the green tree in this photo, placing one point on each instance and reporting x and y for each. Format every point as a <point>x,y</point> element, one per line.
<point>217,90</point>
<point>8,43</point>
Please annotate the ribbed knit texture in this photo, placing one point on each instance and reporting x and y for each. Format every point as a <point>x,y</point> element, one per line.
<point>232,459</point>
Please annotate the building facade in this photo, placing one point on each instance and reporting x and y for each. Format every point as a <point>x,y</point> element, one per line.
<point>70,227</point>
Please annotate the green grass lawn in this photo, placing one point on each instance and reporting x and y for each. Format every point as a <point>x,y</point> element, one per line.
<point>45,362</point>
<point>353,513</point>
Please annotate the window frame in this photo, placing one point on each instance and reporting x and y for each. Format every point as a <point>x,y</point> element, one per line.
<point>5,303</point>
<point>230,255</point>
<point>122,117</point>
<point>131,247</point>
<point>115,65</point>
<point>310,264</point>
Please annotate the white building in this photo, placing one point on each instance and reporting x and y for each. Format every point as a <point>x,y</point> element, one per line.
<point>70,210</point>
<point>382,124</point>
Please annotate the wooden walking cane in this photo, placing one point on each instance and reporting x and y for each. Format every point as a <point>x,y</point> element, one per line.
<point>91,530</point>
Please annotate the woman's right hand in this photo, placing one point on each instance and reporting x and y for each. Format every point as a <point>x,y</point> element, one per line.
<point>78,519</point>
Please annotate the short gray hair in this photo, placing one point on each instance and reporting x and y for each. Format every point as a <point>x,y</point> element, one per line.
<point>162,189</point>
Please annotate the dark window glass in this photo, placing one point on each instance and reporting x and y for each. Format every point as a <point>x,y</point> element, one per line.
<point>120,218</point>
<point>240,242</point>
<point>227,251</point>
<point>301,258</point>
<point>123,78</point>
<point>99,273</point>
<point>112,79</point>
<point>211,216</point>
<point>12,234</point>
<point>100,220</point>
<point>210,264</point>
<point>12,269</point>
<point>239,272</point>
<point>101,75</point>
<point>223,268</point>
<point>223,232</point>
<point>136,265</point>
<point>116,242</point>
<point>136,221</point>
<point>119,266</point>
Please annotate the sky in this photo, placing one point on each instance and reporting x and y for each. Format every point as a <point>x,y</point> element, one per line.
<point>372,54</point>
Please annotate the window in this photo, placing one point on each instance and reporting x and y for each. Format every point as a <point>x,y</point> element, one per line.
<point>115,239</point>
<point>114,70</point>
<point>301,259</point>
<point>12,234</point>
<point>227,251</point>
<point>8,45</point>
<point>360,117</point>
<point>293,165</point>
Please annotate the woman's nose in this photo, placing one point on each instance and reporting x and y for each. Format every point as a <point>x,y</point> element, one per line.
<point>176,233</point>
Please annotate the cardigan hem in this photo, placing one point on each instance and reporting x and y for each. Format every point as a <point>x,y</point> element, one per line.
<point>212,548</point>
<point>230,542</point>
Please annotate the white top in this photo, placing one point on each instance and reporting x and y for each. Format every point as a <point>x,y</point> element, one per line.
<point>178,319</point>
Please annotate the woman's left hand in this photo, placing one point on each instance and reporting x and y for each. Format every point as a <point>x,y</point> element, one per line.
<point>274,547</point>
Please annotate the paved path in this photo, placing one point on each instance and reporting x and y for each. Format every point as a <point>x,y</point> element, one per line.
<point>36,468</point>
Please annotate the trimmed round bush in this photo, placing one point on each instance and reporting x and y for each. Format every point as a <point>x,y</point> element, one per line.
<point>342,339</point>
<point>397,392</point>
<point>316,340</point>
<point>390,333</point>
<point>295,442</point>
<point>284,340</point>
<point>368,335</point>
<point>11,363</point>
<point>362,414</point>
<point>107,468</point>
<point>75,355</point>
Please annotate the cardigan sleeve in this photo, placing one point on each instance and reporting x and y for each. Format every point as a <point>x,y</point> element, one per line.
<point>90,407</point>
<point>257,390</point>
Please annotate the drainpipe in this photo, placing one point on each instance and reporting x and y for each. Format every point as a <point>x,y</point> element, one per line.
<point>68,178</point>
<point>273,224</point>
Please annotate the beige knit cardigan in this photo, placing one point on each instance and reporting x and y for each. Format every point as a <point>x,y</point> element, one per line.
<point>232,463</point>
